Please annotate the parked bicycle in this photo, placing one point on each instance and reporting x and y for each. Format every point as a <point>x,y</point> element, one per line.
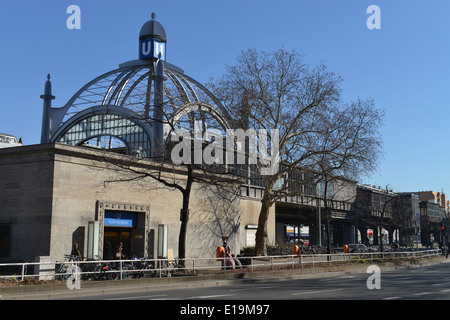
<point>106,271</point>
<point>61,267</point>
<point>145,269</point>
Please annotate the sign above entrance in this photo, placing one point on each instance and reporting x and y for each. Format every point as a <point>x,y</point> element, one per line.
<point>120,219</point>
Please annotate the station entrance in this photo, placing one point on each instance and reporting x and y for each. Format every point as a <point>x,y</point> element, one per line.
<point>115,236</point>
<point>123,227</point>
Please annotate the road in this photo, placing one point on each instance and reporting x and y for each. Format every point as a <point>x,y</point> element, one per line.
<point>427,283</point>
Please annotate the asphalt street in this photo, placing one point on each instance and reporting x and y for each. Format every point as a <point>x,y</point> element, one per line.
<point>427,283</point>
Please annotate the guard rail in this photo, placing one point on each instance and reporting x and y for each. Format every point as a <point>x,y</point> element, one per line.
<point>140,268</point>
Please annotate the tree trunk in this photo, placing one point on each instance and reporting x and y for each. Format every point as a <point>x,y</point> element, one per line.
<point>261,233</point>
<point>328,230</point>
<point>184,218</point>
<point>327,211</point>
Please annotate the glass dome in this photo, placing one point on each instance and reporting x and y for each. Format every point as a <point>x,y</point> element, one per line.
<point>120,104</point>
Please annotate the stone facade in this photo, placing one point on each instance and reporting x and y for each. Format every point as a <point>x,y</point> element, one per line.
<point>50,193</point>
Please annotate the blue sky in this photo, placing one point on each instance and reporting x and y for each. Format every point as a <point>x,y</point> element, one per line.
<point>404,66</point>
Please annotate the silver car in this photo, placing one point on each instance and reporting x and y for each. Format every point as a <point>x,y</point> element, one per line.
<point>357,248</point>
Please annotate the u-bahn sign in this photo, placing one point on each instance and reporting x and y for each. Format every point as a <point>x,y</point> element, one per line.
<point>152,48</point>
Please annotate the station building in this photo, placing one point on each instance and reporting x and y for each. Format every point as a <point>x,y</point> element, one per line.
<point>66,190</point>
<point>54,195</point>
<point>70,187</point>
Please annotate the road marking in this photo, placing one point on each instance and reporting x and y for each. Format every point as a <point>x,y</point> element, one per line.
<point>331,279</point>
<point>140,297</point>
<point>422,293</point>
<point>391,298</point>
<point>445,290</point>
<point>246,289</point>
<point>212,296</point>
<point>313,292</point>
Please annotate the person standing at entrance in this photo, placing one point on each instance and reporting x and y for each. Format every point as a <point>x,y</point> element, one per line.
<point>107,251</point>
<point>76,252</point>
<point>119,254</point>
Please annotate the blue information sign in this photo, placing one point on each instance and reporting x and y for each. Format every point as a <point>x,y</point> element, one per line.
<point>152,48</point>
<point>120,219</point>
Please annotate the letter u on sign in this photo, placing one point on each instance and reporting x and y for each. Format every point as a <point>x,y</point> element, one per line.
<point>146,48</point>
<point>152,48</point>
<point>159,49</point>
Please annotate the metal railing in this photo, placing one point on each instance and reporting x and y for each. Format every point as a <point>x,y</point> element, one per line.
<point>147,268</point>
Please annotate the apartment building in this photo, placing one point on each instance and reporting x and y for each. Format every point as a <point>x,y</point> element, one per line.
<point>436,197</point>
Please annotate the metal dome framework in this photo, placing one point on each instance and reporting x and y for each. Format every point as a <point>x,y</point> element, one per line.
<point>119,105</point>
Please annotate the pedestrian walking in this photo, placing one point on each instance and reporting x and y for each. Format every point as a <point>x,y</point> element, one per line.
<point>227,248</point>
<point>228,259</point>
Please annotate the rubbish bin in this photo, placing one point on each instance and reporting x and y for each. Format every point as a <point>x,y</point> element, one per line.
<point>296,250</point>
<point>345,248</point>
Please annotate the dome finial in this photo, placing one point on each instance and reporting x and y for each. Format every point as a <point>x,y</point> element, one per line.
<point>153,29</point>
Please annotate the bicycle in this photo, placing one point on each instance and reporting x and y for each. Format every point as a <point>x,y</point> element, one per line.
<point>145,269</point>
<point>105,271</point>
<point>61,267</point>
<point>127,270</point>
<point>174,266</point>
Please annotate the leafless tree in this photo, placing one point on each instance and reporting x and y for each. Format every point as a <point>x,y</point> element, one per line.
<point>278,91</point>
<point>351,147</point>
<point>403,215</point>
<point>381,207</point>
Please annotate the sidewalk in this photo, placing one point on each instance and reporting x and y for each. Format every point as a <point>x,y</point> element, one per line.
<point>60,290</point>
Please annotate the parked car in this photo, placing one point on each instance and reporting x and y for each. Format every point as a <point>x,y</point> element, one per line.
<point>356,248</point>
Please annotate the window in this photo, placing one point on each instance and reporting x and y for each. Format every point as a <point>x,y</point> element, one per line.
<point>320,189</point>
<point>109,131</point>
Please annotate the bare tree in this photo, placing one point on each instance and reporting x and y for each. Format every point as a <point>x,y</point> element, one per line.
<point>175,177</point>
<point>403,215</point>
<point>351,147</point>
<point>278,91</point>
<point>381,207</point>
